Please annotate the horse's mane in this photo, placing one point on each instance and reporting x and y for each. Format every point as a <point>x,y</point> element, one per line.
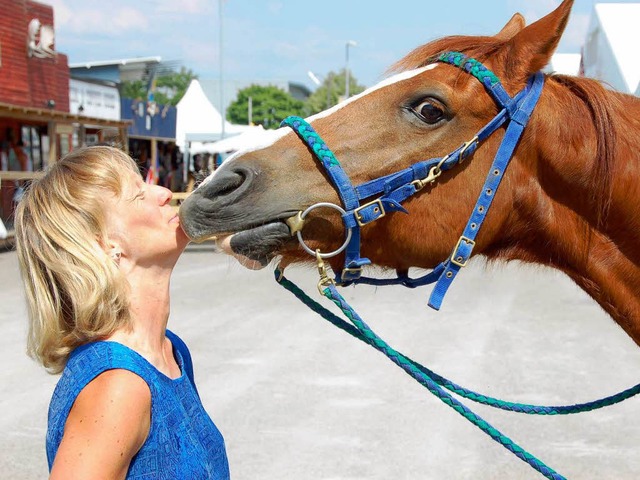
<point>600,103</point>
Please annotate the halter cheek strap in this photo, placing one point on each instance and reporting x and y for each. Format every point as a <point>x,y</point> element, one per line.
<point>361,208</point>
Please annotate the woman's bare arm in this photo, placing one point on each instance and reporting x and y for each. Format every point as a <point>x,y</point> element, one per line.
<point>106,427</point>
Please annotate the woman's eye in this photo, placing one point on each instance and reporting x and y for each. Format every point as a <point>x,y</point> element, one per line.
<point>429,112</point>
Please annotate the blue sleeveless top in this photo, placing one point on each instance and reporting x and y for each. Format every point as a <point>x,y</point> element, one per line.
<point>183,442</point>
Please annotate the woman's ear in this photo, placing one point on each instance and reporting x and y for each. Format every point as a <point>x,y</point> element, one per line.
<point>111,249</point>
<point>115,254</point>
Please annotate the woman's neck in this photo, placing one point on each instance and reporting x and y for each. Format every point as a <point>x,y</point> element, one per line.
<point>149,307</point>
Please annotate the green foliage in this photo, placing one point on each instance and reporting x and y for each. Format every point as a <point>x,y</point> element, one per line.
<point>269,105</point>
<point>136,89</point>
<point>170,87</point>
<point>332,91</point>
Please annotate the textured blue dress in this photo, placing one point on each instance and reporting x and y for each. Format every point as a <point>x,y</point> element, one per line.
<point>183,442</point>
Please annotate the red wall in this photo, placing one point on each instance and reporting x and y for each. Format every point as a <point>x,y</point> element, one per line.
<point>28,81</point>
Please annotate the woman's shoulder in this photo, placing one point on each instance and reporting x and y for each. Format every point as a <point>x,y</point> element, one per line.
<point>116,391</point>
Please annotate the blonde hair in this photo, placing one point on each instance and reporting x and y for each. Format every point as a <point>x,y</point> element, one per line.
<point>75,292</point>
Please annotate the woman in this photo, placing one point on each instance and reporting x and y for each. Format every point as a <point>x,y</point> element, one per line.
<point>96,247</point>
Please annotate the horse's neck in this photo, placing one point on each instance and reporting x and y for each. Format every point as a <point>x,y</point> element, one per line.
<point>567,218</point>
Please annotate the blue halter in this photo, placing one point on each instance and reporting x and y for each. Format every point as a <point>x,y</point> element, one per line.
<point>397,187</point>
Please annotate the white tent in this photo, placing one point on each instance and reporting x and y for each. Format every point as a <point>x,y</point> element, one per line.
<point>248,138</point>
<point>610,51</point>
<point>564,63</point>
<point>197,117</point>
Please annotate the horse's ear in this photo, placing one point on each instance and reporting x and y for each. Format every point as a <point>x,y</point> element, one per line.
<point>513,26</point>
<point>530,49</point>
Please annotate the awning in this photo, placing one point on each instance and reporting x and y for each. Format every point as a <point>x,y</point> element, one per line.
<point>245,139</point>
<point>46,115</point>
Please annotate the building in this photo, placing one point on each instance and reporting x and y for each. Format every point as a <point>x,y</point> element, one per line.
<point>152,127</point>
<point>610,50</point>
<point>36,124</point>
<point>115,71</point>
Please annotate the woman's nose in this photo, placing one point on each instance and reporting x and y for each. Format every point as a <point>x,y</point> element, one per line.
<point>164,195</point>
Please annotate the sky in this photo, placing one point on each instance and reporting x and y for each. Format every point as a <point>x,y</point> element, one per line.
<point>281,40</point>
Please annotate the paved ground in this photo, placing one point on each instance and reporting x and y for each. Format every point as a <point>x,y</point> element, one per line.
<point>298,399</point>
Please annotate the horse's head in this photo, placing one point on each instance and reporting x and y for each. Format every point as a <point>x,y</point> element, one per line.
<point>426,111</point>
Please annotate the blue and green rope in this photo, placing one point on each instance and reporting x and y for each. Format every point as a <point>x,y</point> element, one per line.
<point>435,383</point>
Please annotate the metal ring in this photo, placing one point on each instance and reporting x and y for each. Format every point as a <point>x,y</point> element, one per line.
<point>335,252</point>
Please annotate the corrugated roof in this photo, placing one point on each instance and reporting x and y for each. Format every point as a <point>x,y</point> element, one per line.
<point>120,62</point>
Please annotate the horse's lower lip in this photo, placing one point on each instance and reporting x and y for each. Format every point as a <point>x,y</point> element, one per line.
<point>261,243</point>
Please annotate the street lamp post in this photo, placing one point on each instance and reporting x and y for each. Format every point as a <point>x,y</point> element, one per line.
<point>350,43</point>
<point>223,113</point>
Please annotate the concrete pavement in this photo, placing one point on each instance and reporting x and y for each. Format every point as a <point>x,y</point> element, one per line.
<point>298,399</point>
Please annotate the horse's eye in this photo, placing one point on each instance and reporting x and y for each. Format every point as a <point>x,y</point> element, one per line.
<point>429,112</point>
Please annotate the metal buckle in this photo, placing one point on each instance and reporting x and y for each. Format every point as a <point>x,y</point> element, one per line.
<point>380,207</point>
<point>356,272</point>
<point>454,260</point>
<point>465,147</point>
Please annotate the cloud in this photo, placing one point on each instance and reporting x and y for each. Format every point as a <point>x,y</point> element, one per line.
<point>275,7</point>
<point>183,6</point>
<point>576,31</point>
<point>61,12</point>
<point>76,17</point>
<point>533,11</point>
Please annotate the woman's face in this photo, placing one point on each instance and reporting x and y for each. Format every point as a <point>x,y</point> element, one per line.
<point>143,223</point>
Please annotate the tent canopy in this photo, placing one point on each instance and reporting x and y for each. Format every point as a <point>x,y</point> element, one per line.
<point>196,115</point>
<point>248,138</point>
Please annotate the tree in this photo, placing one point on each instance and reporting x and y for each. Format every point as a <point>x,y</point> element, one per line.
<point>332,91</point>
<point>169,88</point>
<point>269,106</point>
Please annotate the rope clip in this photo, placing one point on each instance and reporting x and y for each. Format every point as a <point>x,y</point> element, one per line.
<point>434,173</point>
<point>324,281</point>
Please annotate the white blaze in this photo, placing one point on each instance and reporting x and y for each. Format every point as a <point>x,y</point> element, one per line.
<point>274,135</point>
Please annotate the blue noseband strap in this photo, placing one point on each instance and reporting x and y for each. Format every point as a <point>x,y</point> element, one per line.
<point>374,199</point>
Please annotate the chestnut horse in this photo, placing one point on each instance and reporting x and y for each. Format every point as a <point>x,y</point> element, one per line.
<point>570,198</point>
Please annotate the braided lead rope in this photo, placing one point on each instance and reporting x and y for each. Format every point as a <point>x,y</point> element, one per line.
<point>526,408</point>
<point>375,341</point>
<point>433,382</point>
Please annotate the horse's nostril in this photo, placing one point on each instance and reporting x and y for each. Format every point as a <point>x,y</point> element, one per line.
<point>231,184</point>
<point>224,183</point>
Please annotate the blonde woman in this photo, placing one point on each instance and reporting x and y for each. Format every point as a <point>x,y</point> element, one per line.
<point>96,247</point>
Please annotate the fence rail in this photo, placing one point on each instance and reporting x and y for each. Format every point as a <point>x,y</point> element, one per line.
<point>18,175</point>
